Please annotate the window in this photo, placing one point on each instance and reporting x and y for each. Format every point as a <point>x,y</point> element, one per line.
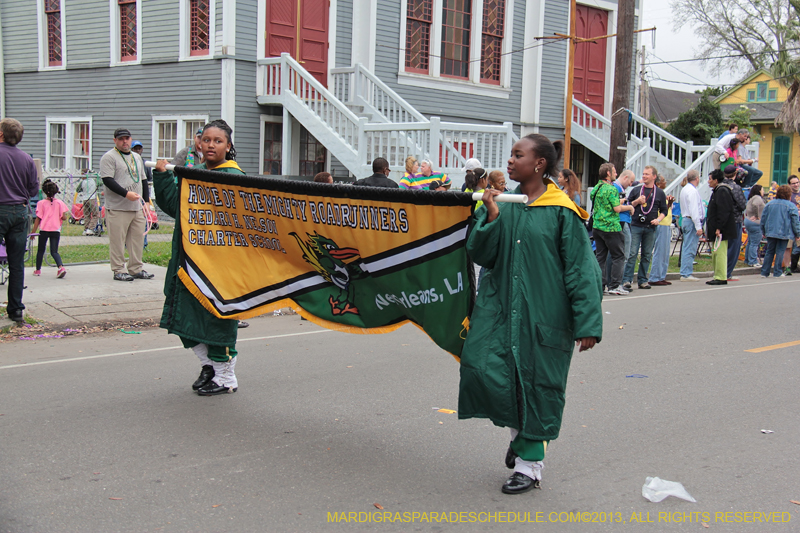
<point>52,9</point>
<point>418,35</point>
<point>456,24</point>
<point>751,96</point>
<point>171,134</point>
<point>761,92</point>
<point>273,136</point>
<point>773,95</point>
<point>312,154</point>
<point>457,45</point>
<point>492,40</point>
<point>128,30</point>
<point>69,144</point>
<point>199,27</point>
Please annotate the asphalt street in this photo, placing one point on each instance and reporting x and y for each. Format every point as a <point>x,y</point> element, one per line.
<point>103,433</point>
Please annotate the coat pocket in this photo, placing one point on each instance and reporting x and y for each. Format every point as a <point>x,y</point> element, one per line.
<point>552,357</point>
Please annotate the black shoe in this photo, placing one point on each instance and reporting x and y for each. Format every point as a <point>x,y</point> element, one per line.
<point>242,324</point>
<point>143,275</point>
<point>16,316</point>
<point>717,282</point>
<point>511,458</point>
<point>645,286</point>
<point>122,276</point>
<point>212,389</point>
<point>206,373</point>
<point>519,483</point>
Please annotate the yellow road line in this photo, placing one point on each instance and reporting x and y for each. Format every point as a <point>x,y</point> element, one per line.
<point>773,347</point>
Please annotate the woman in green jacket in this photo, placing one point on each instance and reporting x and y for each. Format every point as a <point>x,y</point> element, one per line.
<point>542,293</point>
<point>212,339</point>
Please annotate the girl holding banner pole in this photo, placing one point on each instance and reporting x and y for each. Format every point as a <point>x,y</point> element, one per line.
<point>541,295</point>
<point>212,339</point>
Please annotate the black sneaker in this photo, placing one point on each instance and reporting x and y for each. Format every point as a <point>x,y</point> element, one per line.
<point>206,374</point>
<point>122,276</point>
<point>212,389</point>
<point>519,483</point>
<point>143,275</point>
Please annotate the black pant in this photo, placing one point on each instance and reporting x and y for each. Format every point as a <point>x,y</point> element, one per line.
<point>14,229</point>
<point>610,242</point>
<point>54,237</point>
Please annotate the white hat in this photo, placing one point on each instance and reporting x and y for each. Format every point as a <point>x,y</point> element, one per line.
<point>472,164</point>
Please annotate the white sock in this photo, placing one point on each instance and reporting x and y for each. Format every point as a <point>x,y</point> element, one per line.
<point>224,375</point>
<point>532,469</point>
<point>201,351</point>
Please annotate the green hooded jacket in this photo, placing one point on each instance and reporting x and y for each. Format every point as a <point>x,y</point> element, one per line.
<point>183,315</point>
<point>543,292</point>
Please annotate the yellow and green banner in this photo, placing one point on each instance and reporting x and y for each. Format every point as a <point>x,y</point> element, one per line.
<point>354,259</point>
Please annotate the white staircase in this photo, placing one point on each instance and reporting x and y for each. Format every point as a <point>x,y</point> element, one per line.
<point>648,145</point>
<point>361,119</point>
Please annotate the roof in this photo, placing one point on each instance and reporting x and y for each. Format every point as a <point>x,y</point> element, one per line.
<point>761,111</point>
<point>744,81</point>
<point>667,104</point>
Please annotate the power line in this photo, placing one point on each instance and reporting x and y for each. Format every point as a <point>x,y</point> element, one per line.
<point>728,56</point>
<point>529,47</point>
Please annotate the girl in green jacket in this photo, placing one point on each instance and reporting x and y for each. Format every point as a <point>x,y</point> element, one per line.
<point>541,294</point>
<point>212,339</point>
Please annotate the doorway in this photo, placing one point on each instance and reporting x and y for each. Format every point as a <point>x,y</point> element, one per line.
<point>300,28</point>
<point>589,83</point>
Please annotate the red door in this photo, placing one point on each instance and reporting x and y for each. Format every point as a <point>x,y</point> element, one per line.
<point>305,37</point>
<point>589,86</point>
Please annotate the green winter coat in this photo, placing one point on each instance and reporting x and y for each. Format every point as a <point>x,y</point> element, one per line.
<point>183,314</point>
<point>543,292</point>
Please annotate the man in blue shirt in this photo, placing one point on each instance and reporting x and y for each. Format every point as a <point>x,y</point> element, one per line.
<point>622,183</point>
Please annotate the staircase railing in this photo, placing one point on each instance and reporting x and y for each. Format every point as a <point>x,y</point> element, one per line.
<point>358,85</point>
<point>639,160</point>
<point>703,164</point>
<point>591,120</point>
<point>664,143</point>
<point>356,142</point>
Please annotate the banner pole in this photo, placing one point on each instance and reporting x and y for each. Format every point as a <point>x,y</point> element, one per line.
<point>476,197</point>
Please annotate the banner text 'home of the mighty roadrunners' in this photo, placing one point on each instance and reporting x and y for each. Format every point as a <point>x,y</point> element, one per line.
<point>357,259</point>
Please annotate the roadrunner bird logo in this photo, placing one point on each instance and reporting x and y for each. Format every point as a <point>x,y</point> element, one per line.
<point>329,260</point>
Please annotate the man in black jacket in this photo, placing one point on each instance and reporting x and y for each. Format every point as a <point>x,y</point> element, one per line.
<point>380,167</point>
<point>720,222</point>
<point>739,205</point>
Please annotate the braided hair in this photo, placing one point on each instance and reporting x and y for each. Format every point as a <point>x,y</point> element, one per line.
<point>50,189</point>
<point>221,124</point>
<point>473,177</point>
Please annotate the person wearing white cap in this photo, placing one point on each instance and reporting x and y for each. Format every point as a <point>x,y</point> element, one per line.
<point>471,164</point>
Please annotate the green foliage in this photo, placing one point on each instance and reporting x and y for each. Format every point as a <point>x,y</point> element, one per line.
<point>711,92</point>
<point>741,117</point>
<point>700,123</point>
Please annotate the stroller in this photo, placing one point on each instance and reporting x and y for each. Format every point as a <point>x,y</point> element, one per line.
<point>4,259</point>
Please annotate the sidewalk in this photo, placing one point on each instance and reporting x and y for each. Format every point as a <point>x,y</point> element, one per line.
<point>89,294</point>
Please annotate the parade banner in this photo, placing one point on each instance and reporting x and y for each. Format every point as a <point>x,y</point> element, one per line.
<point>354,259</point>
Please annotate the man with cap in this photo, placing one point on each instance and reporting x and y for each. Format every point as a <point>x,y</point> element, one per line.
<point>191,155</point>
<point>138,147</point>
<point>123,175</point>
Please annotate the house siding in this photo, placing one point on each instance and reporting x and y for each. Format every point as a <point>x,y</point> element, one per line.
<point>20,36</point>
<point>462,107</point>
<point>246,30</point>
<point>112,100</point>
<point>247,135</point>
<point>160,41</point>
<point>344,33</point>
<point>554,68</point>
<point>87,33</point>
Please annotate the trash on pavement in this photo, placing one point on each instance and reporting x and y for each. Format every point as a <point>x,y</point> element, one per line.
<point>635,376</point>
<point>445,411</point>
<point>656,489</point>
<point>767,431</point>
<point>130,332</point>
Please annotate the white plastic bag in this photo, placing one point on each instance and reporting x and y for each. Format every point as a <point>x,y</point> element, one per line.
<point>656,489</point>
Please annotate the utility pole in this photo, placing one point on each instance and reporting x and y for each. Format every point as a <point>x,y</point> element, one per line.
<point>622,83</point>
<point>644,90</point>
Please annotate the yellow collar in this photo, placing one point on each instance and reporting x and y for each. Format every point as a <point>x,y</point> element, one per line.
<point>555,196</point>
<point>227,164</point>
